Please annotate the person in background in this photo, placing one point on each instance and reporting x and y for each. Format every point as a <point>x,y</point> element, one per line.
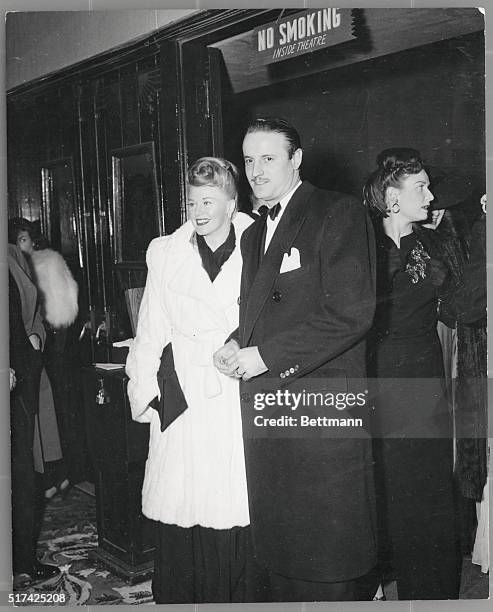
<point>464,314</point>
<point>26,340</point>
<point>58,294</point>
<point>195,483</point>
<point>452,230</point>
<point>412,426</point>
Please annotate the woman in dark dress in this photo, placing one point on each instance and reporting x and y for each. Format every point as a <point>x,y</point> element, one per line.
<point>411,418</point>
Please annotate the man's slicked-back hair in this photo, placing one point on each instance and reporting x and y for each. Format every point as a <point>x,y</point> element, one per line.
<point>279,125</point>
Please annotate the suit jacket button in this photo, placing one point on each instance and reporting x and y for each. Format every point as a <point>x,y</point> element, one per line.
<point>246,397</point>
<point>282,375</point>
<point>292,370</point>
<point>276,296</point>
<point>238,301</point>
<point>286,372</point>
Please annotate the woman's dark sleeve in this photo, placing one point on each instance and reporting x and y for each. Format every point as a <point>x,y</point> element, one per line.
<point>19,344</point>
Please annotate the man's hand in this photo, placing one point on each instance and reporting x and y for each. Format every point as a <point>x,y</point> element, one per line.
<point>250,363</point>
<point>13,380</point>
<point>225,358</point>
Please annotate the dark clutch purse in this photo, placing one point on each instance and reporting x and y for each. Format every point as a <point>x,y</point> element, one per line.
<point>172,402</point>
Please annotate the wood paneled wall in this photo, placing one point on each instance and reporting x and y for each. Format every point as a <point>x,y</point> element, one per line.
<point>85,118</point>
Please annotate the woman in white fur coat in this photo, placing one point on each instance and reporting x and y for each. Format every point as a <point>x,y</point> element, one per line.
<point>195,483</point>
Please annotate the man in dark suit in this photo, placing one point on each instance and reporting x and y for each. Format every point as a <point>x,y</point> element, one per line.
<point>307,301</point>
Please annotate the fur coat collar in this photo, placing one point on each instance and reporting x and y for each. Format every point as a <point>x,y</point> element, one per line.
<point>57,288</point>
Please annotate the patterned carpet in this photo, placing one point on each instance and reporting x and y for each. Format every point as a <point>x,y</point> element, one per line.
<point>68,534</point>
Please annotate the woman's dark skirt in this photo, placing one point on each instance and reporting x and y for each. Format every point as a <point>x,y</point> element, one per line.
<point>204,565</point>
<point>413,449</point>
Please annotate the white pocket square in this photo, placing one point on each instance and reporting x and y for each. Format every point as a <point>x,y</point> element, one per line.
<point>291,261</point>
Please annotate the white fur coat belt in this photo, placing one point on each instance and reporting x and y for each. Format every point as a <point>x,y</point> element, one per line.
<point>57,287</point>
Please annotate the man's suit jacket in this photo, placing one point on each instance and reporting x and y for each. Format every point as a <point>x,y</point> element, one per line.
<point>311,499</point>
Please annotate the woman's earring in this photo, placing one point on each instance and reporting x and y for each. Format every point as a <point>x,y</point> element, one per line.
<point>395,207</point>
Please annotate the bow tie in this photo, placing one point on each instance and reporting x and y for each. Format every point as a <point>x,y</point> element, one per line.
<point>272,212</point>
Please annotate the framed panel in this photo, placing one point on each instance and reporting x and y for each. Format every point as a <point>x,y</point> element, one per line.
<point>59,213</point>
<point>135,202</point>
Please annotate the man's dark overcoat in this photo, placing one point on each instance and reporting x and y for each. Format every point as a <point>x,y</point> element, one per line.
<point>311,499</point>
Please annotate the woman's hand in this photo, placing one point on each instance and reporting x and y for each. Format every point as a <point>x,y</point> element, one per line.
<point>226,358</point>
<point>13,379</point>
